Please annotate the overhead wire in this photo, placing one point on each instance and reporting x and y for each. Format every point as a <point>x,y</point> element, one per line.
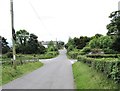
<point>38,16</point>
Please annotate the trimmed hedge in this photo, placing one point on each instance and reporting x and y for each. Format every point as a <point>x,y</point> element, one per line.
<point>103,55</point>
<point>110,67</point>
<point>73,54</point>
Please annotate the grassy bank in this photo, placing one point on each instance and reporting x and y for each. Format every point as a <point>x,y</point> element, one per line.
<point>9,74</point>
<point>87,78</point>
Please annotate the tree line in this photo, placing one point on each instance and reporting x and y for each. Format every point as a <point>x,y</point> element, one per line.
<point>110,43</point>
<point>27,43</point>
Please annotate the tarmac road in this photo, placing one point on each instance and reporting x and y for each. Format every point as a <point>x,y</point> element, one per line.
<point>55,74</point>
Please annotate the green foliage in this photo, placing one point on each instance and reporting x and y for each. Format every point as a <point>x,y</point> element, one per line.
<point>114,29</point>
<point>86,77</point>
<point>50,44</point>
<point>116,44</point>
<point>70,48</point>
<point>60,45</point>
<point>70,42</point>
<point>81,42</point>
<point>73,54</point>
<point>9,73</point>
<point>102,42</point>
<point>21,37</point>
<point>52,48</point>
<point>103,55</point>
<point>111,68</point>
<point>109,51</point>
<point>9,55</point>
<point>86,49</point>
<point>114,26</point>
<point>5,47</point>
<point>28,43</point>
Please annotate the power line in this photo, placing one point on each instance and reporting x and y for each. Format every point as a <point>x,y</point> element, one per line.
<point>37,15</point>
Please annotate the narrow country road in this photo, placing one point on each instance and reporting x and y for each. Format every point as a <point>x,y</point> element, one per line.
<point>55,74</point>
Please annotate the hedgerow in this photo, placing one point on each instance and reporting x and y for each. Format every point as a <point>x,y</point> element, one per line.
<point>110,67</point>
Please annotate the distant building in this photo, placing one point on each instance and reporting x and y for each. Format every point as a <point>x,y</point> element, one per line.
<point>45,43</point>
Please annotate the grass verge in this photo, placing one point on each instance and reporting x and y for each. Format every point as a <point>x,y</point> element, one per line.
<point>86,77</point>
<point>9,74</point>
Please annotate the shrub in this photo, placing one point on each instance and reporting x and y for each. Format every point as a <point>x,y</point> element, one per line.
<point>109,51</point>
<point>70,48</point>
<point>103,55</point>
<point>9,54</point>
<point>73,54</point>
<point>86,49</point>
<point>109,67</point>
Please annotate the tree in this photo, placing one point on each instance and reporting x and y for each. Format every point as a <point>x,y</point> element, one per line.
<point>70,42</point>
<point>22,37</point>
<point>5,47</point>
<point>114,29</point>
<point>101,42</point>
<point>116,44</point>
<point>81,42</point>
<point>114,26</point>
<point>33,45</point>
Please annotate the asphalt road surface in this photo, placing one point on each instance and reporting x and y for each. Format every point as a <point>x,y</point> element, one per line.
<point>55,74</point>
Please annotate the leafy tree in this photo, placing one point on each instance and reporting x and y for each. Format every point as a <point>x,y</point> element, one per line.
<point>52,46</point>
<point>5,47</point>
<point>94,43</point>
<point>116,44</point>
<point>105,42</point>
<point>96,36</point>
<point>114,29</point>
<point>101,42</point>
<point>33,44</point>
<point>114,26</point>
<point>81,42</point>
<point>22,37</point>
<point>70,42</point>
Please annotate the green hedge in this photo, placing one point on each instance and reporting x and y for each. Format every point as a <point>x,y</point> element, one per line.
<point>103,55</point>
<point>110,67</point>
<point>48,55</point>
<point>73,54</point>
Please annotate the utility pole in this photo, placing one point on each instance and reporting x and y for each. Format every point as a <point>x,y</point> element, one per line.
<point>119,5</point>
<point>13,34</point>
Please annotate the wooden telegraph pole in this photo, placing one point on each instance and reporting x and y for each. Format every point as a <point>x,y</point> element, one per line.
<point>13,34</point>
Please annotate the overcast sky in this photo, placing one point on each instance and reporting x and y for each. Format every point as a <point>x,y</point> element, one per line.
<point>61,19</point>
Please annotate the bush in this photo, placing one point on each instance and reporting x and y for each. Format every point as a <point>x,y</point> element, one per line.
<point>109,67</point>
<point>9,55</point>
<point>70,48</point>
<point>86,49</point>
<point>109,51</point>
<point>52,48</point>
<point>103,55</point>
<point>73,54</point>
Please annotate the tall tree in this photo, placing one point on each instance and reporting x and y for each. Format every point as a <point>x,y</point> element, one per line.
<point>22,37</point>
<point>33,44</point>
<point>114,29</point>
<point>5,47</point>
<point>114,26</point>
